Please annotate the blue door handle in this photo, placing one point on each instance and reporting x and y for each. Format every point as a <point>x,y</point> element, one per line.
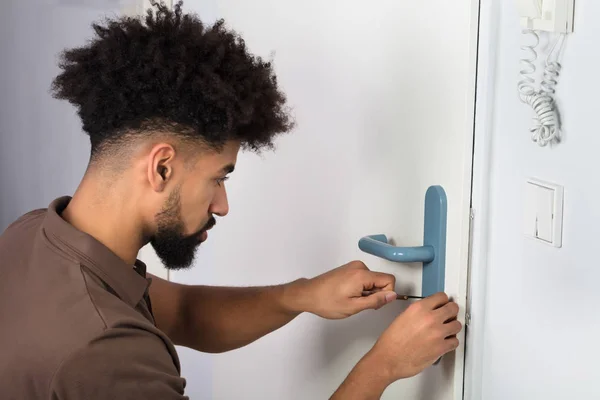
<point>377,245</point>
<point>433,252</point>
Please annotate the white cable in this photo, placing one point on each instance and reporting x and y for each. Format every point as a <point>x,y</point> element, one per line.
<point>526,84</point>
<point>546,123</point>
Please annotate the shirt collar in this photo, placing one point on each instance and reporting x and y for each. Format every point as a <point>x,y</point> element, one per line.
<point>128,281</point>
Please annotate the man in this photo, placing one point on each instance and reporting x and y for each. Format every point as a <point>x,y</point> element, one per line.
<point>168,103</point>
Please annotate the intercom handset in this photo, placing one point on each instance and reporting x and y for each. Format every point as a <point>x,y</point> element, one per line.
<point>538,16</point>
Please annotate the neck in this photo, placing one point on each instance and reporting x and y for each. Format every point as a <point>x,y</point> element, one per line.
<point>109,218</point>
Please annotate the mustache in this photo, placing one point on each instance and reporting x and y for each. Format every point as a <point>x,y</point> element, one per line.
<point>193,237</point>
<point>211,223</point>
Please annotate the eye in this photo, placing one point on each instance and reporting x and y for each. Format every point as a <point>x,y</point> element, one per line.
<point>221,180</point>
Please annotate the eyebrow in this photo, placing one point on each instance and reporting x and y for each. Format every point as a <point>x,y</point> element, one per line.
<point>229,168</point>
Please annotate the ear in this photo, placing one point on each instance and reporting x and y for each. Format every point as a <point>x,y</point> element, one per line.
<point>160,166</point>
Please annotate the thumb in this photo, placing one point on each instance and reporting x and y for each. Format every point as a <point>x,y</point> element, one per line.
<point>375,301</point>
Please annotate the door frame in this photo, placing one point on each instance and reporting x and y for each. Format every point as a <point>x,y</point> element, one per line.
<point>489,23</point>
<point>471,152</point>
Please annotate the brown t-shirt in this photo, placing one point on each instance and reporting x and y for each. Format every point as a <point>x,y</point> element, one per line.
<point>75,320</point>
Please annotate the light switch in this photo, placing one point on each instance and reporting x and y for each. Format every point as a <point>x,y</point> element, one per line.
<point>543,212</point>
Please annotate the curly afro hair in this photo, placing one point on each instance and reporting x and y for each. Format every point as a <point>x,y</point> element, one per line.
<point>168,71</point>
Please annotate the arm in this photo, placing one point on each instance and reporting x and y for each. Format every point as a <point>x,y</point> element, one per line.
<point>365,382</point>
<point>218,319</point>
<point>415,340</point>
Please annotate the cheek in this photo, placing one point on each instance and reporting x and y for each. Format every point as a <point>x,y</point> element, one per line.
<point>194,207</point>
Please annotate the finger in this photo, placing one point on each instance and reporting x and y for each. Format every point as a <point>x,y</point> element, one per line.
<point>435,301</point>
<point>448,311</point>
<point>357,264</point>
<point>451,344</point>
<point>452,328</point>
<point>380,280</point>
<point>374,301</point>
<point>371,291</point>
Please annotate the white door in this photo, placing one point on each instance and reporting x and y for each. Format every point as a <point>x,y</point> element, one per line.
<point>383,94</point>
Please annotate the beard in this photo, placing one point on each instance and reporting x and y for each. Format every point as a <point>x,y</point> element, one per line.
<point>175,249</point>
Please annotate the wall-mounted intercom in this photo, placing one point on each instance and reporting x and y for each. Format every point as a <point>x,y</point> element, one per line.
<point>551,18</point>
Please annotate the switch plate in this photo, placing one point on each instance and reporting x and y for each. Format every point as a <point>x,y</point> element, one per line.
<point>544,212</point>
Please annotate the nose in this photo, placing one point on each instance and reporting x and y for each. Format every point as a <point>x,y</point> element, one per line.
<point>220,205</point>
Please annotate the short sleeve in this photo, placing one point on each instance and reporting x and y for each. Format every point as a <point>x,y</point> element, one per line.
<point>124,364</point>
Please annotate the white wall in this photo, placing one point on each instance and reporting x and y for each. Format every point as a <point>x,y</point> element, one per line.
<point>542,323</point>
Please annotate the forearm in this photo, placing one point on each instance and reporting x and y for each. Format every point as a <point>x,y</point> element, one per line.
<point>367,381</point>
<point>218,319</point>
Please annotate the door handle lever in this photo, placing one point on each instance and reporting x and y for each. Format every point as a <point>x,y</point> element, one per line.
<point>377,245</point>
<point>433,252</point>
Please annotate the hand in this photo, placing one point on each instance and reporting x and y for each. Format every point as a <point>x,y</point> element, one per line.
<point>417,338</point>
<point>340,293</point>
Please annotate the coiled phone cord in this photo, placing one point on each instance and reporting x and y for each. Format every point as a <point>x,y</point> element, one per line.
<point>546,123</point>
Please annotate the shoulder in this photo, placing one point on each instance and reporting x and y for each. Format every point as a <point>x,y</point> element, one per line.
<point>29,220</point>
<point>124,363</point>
